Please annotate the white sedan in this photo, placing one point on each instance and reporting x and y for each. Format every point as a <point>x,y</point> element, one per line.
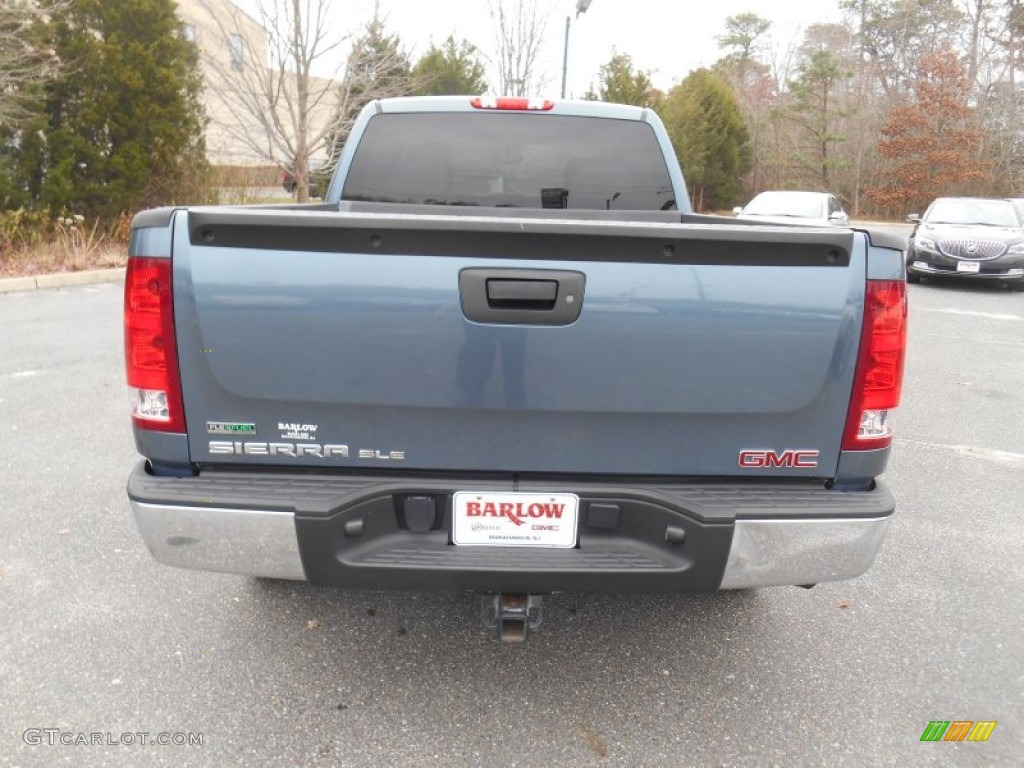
<point>787,207</point>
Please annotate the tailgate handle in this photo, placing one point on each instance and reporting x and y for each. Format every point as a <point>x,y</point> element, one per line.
<point>521,296</point>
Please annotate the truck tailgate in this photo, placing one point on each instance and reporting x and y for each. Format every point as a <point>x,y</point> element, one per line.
<point>334,339</point>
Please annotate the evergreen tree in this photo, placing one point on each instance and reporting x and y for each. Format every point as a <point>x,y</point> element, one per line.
<point>744,67</point>
<point>377,68</point>
<point>621,84</point>
<point>452,69</point>
<point>377,63</point>
<point>742,38</point>
<point>124,120</point>
<point>816,109</point>
<point>710,137</point>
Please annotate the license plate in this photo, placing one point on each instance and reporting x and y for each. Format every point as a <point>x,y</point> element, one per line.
<point>921,264</point>
<point>968,266</point>
<point>515,519</point>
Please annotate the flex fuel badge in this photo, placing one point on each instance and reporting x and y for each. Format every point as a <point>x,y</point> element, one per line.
<point>230,428</point>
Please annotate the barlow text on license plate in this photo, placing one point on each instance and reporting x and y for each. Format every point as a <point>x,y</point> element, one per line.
<point>515,519</point>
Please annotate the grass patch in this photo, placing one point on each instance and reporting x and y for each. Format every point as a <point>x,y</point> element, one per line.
<point>30,245</point>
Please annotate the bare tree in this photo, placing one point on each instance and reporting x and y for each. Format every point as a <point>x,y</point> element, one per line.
<point>23,63</point>
<point>747,37</point>
<point>997,93</point>
<point>270,93</point>
<point>519,35</point>
<point>895,34</point>
<point>280,112</point>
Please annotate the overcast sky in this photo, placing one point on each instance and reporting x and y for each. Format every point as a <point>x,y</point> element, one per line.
<point>668,37</point>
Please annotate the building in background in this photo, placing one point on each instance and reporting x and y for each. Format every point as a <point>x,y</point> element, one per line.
<point>222,32</point>
<point>231,43</point>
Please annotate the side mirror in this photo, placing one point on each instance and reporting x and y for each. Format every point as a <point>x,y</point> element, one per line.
<point>914,218</point>
<point>737,210</point>
<point>839,216</point>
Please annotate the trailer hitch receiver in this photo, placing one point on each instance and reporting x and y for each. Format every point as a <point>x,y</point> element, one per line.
<point>511,614</point>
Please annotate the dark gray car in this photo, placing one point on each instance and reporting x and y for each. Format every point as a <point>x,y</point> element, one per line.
<point>969,237</point>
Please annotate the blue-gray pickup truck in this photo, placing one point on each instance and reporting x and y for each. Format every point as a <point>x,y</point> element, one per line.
<point>503,356</point>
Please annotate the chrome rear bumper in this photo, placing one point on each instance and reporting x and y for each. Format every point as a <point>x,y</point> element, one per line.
<point>264,543</point>
<point>767,553</point>
<point>247,541</point>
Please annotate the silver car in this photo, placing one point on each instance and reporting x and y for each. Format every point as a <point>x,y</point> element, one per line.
<point>791,207</point>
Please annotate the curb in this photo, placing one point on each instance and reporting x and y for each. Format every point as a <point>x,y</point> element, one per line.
<point>61,280</point>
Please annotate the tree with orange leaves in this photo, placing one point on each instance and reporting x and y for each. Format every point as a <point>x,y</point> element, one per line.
<point>932,147</point>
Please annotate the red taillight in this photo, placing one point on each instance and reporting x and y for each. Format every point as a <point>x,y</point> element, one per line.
<point>151,360</point>
<point>879,376</point>
<point>511,103</point>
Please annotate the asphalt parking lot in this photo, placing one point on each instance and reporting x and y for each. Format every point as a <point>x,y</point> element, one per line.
<point>95,637</point>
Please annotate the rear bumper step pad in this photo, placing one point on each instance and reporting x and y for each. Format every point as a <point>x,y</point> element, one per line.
<point>348,531</point>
